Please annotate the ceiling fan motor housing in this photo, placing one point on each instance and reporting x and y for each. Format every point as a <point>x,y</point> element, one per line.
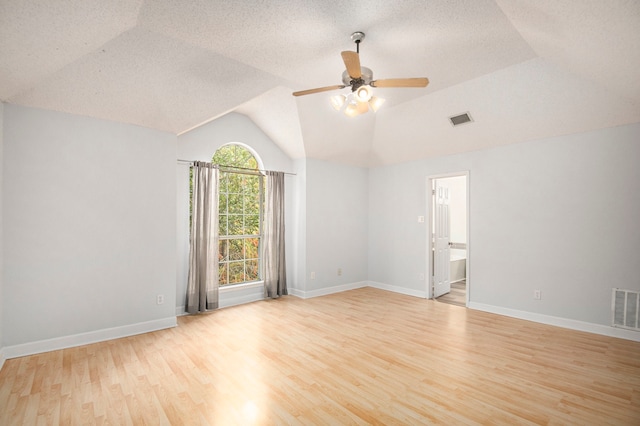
<point>367,76</point>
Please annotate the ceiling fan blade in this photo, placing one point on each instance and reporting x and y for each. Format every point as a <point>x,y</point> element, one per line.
<point>318,90</point>
<point>401,82</point>
<point>352,62</point>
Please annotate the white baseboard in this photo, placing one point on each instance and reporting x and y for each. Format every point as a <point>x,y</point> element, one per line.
<point>402,290</point>
<point>351,286</point>
<point>327,290</point>
<point>559,322</point>
<point>87,338</point>
<point>296,292</point>
<point>2,358</point>
<point>240,300</point>
<point>233,296</point>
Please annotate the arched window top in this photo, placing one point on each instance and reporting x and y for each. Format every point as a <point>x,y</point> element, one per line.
<point>237,155</point>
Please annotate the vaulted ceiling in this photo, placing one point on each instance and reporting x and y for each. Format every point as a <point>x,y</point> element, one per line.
<point>523,69</point>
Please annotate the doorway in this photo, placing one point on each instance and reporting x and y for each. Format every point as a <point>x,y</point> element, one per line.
<point>448,249</point>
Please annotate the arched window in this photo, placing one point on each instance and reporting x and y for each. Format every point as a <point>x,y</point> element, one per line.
<point>240,214</point>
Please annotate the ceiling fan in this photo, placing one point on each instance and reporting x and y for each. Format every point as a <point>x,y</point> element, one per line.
<point>360,79</point>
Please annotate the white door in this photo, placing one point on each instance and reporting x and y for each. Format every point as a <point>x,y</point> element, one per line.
<point>441,239</point>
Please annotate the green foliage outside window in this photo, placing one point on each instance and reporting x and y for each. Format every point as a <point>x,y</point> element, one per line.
<point>239,215</point>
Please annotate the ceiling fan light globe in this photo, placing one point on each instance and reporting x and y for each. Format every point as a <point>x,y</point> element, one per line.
<point>375,103</point>
<point>363,93</point>
<point>338,101</point>
<point>363,107</point>
<point>351,110</point>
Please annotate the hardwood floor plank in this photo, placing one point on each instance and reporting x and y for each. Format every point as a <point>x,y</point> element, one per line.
<point>457,295</point>
<point>364,356</point>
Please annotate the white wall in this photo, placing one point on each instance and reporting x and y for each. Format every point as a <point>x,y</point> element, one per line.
<point>89,226</point>
<point>1,233</point>
<point>336,224</point>
<point>397,241</point>
<point>83,254</point>
<point>298,285</point>
<point>200,144</point>
<point>559,215</point>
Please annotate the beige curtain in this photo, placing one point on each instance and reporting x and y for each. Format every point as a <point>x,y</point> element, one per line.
<point>202,285</point>
<point>275,276</point>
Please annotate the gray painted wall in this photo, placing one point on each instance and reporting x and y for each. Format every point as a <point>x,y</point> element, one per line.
<point>299,255</point>
<point>559,215</point>
<point>89,224</point>
<point>83,253</point>
<point>1,230</point>
<point>336,224</point>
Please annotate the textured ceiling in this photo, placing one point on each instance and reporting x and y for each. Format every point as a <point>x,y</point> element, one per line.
<point>524,69</point>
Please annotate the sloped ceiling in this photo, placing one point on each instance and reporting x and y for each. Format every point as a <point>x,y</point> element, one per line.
<point>524,69</point>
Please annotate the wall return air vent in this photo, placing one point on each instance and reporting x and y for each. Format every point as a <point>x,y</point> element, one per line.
<point>457,120</point>
<point>625,309</point>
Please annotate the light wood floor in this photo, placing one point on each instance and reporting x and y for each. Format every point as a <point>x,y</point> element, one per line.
<point>457,296</point>
<point>364,356</point>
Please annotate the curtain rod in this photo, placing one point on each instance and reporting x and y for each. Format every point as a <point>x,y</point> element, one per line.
<point>190,162</point>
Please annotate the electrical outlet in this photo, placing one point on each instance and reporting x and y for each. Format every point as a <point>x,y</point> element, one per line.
<point>537,294</point>
<point>160,299</point>
<point>312,275</point>
<point>339,271</point>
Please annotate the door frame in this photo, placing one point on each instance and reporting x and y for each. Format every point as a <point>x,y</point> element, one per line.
<point>429,230</point>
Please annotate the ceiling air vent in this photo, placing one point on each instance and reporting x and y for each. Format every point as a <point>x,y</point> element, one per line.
<point>457,120</point>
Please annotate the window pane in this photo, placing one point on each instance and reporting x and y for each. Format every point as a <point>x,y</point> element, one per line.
<point>236,272</point>
<point>223,250</point>
<point>223,180</point>
<point>251,248</point>
<point>252,270</point>
<point>222,274</point>
<point>235,203</point>
<point>251,162</point>
<point>252,185</point>
<point>240,210</point>
<point>235,225</point>
<point>252,204</point>
<point>222,223</point>
<point>235,249</point>
<point>252,225</point>
<point>235,183</point>
<point>222,203</point>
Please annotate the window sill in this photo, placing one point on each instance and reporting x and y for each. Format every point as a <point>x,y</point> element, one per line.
<point>243,286</point>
